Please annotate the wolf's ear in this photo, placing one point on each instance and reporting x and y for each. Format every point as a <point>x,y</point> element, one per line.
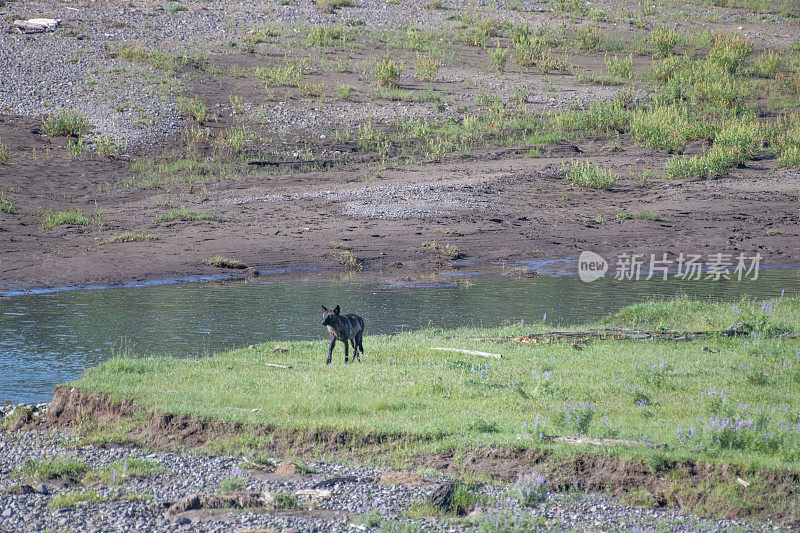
<point>324,308</point>
<point>336,310</point>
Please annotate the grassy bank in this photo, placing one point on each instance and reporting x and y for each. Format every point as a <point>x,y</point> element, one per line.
<point>719,398</point>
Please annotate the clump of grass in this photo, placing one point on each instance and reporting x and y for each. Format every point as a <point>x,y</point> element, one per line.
<point>587,39</point>
<point>329,6</point>
<point>729,51</point>
<point>286,500</point>
<point>434,4</point>
<point>527,49</point>
<point>74,217</point>
<point>6,204</point>
<point>312,89</point>
<point>736,141</point>
<point>387,71</point>
<point>174,7</point>
<point>624,215</point>
<point>287,75</point>
<point>644,215</point>
<point>668,126</point>
<point>130,237</point>
<point>338,245</point>
<point>124,469</point>
<point>450,251</point>
<point>185,215</point>
<point>321,36</point>
<point>234,140</point>
<point>53,468</point>
<point>499,57</point>
<point>663,41</point>
<point>224,262</point>
<point>193,108</point>
<point>109,145</point>
<point>621,68</point>
<point>587,175</point>
<point>427,67</point>
<point>71,499</point>
<point>231,484</point>
<point>349,260</point>
<point>66,123</point>
<point>3,153</point>
<point>346,92</point>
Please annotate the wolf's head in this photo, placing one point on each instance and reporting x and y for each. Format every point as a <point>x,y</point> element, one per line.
<point>328,315</point>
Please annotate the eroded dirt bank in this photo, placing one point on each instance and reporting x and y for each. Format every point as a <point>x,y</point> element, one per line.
<point>702,488</point>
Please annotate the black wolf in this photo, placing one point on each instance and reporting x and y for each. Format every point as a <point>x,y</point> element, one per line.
<point>343,328</point>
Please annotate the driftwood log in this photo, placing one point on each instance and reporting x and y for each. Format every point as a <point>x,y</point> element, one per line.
<point>36,25</point>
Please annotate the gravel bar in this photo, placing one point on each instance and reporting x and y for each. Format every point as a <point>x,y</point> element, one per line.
<point>357,500</point>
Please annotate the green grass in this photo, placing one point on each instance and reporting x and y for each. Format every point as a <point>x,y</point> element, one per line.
<point>128,236</point>
<point>224,262</point>
<point>641,391</point>
<point>66,123</point>
<point>53,468</point>
<point>193,108</point>
<point>183,214</point>
<point>74,217</point>
<point>72,499</point>
<point>3,153</point>
<point>587,175</point>
<point>7,204</point>
<point>387,71</point>
<point>123,470</point>
<point>350,260</point>
<point>231,484</point>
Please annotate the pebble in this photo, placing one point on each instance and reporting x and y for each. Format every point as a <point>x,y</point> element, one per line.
<point>355,491</point>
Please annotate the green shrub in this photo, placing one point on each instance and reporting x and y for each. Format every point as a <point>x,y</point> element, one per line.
<point>193,108</point>
<point>3,153</point>
<point>620,68</point>
<point>663,41</point>
<point>66,123</point>
<point>388,72</point>
<point>588,39</point>
<point>499,56</point>
<point>427,67</point>
<point>728,52</point>
<point>75,217</point>
<point>527,50</point>
<point>588,175</point>
<point>326,35</point>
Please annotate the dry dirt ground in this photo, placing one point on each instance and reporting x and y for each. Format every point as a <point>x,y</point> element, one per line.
<point>281,172</point>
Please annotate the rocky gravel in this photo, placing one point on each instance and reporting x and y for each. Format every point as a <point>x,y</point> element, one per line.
<point>328,497</point>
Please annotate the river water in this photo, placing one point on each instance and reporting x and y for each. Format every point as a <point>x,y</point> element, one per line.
<point>52,337</point>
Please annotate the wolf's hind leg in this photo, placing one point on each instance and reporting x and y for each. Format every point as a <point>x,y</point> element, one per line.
<point>358,341</point>
<point>346,351</point>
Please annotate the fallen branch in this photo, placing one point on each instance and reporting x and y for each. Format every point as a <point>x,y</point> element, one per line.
<point>276,365</point>
<point>469,352</point>
<point>36,25</point>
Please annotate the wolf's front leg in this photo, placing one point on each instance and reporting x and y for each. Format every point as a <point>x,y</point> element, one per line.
<point>330,351</point>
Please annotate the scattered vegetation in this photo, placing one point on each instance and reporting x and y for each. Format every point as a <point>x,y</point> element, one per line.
<point>66,123</point>
<point>224,262</point>
<point>349,260</point>
<point>183,214</point>
<point>130,237</point>
<point>587,175</point>
<point>3,152</point>
<point>74,217</point>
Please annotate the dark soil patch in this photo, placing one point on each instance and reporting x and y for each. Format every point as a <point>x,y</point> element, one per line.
<point>702,488</point>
